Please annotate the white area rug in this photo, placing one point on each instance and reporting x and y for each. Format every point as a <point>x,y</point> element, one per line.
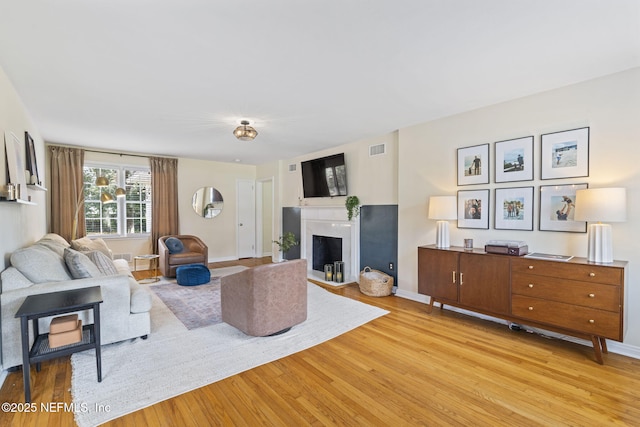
<point>139,373</point>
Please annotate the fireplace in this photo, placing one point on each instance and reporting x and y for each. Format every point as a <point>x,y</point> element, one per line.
<point>330,221</point>
<point>326,250</point>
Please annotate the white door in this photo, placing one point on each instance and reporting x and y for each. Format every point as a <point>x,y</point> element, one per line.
<point>246,218</point>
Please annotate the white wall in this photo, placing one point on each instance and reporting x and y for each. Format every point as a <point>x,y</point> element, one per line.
<point>372,178</point>
<point>610,106</point>
<point>218,233</point>
<point>20,225</point>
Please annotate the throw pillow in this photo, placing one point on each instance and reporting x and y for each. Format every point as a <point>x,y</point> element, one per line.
<point>39,264</point>
<point>174,245</point>
<point>79,265</point>
<point>86,244</point>
<point>103,262</point>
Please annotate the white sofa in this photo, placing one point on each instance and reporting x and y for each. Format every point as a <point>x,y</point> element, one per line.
<point>50,265</point>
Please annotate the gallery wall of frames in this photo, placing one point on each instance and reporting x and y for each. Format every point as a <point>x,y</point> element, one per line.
<point>562,155</point>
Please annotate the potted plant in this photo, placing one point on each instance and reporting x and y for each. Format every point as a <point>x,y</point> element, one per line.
<point>352,203</point>
<point>286,242</point>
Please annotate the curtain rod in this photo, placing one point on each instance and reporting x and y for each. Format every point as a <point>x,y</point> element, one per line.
<point>111,152</point>
<point>117,154</point>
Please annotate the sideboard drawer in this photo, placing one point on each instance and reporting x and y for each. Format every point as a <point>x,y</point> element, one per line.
<point>595,295</point>
<point>586,320</point>
<point>568,270</point>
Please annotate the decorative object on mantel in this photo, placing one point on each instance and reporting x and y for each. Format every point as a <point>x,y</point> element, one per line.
<point>442,209</point>
<point>286,242</point>
<point>601,204</point>
<point>244,132</point>
<point>352,203</point>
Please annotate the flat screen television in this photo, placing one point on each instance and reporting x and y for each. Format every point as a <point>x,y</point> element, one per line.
<point>324,177</point>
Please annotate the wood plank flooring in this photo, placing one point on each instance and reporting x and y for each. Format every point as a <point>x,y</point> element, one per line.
<point>405,368</point>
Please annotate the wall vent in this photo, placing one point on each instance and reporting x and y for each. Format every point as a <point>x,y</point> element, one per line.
<point>293,167</point>
<point>377,150</point>
<point>127,257</point>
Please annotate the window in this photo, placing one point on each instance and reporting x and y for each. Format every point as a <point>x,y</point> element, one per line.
<point>125,216</point>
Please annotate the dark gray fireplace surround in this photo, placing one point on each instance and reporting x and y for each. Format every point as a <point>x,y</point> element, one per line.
<point>378,235</point>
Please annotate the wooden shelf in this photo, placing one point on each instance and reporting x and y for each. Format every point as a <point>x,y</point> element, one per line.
<point>19,202</point>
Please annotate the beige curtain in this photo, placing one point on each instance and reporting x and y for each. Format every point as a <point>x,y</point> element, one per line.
<point>164,190</point>
<point>67,197</point>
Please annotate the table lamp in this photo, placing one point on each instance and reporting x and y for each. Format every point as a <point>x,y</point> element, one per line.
<point>601,204</point>
<point>443,209</point>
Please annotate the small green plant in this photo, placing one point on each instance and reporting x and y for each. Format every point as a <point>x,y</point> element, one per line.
<point>352,204</point>
<point>286,241</point>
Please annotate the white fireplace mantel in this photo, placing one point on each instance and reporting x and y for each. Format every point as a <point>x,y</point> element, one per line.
<point>331,221</point>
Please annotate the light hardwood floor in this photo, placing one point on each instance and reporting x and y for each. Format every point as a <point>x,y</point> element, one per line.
<point>405,368</point>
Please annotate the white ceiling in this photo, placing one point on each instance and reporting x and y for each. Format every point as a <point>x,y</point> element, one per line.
<point>173,77</point>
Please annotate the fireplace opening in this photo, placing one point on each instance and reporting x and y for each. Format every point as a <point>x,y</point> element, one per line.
<point>326,250</point>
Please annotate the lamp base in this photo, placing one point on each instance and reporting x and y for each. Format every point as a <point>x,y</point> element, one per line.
<point>600,243</point>
<point>442,234</point>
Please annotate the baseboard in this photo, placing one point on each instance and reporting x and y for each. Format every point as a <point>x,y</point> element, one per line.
<point>223,259</point>
<point>612,346</point>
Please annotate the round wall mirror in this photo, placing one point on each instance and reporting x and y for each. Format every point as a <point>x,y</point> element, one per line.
<point>207,202</point>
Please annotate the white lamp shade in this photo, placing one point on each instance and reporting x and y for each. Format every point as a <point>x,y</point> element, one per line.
<point>601,204</point>
<point>443,207</point>
<point>596,205</point>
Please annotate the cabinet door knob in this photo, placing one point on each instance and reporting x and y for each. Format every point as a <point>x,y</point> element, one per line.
<point>592,295</point>
<point>592,321</point>
<point>530,308</point>
<point>531,267</point>
<point>592,274</point>
<point>531,285</point>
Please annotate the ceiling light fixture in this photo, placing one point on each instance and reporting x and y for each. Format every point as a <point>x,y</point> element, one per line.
<point>244,132</point>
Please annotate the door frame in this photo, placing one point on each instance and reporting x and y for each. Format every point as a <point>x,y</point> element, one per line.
<point>260,211</point>
<point>253,201</point>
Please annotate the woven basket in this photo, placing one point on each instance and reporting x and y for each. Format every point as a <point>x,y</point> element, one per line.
<point>375,283</point>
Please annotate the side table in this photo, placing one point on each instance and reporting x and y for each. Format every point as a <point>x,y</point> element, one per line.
<point>43,305</point>
<point>154,260</point>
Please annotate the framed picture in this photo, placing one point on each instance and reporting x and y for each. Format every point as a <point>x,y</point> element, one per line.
<point>473,165</point>
<point>514,160</point>
<point>557,205</point>
<point>15,163</point>
<point>565,154</point>
<point>514,209</point>
<point>32,164</point>
<point>473,209</point>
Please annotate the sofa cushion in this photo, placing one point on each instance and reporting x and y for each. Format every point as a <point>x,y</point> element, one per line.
<point>103,262</point>
<point>39,264</point>
<point>79,265</point>
<point>12,279</point>
<point>54,242</point>
<point>86,244</point>
<point>174,245</point>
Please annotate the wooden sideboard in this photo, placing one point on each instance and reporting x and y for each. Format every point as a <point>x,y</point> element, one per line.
<point>577,297</point>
